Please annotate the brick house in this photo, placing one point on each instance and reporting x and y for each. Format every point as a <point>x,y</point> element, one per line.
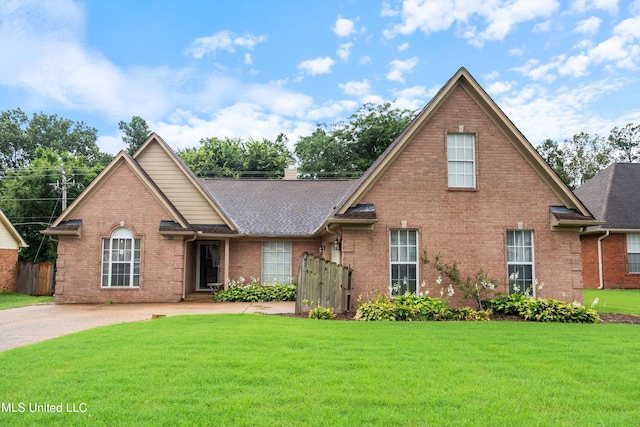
<point>460,181</point>
<point>611,251</point>
<point>10,244</point>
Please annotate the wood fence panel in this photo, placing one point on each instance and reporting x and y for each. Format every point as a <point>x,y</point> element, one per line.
<point>35,278</point>
<point>322,283</point>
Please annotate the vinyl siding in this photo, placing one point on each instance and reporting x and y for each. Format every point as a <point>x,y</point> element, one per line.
<point>177,187</point>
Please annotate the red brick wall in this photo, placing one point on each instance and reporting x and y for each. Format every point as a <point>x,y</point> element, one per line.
<point>8,270</point>
<point>122,197</point>
<point>468,227</point>
<point>245,257</point>
<point>590,268</point>
<point>615,263</point>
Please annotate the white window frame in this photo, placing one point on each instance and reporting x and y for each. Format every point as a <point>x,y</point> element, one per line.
<point>276,262</point>
<point>461,160</point>
<point>120,260</point>
<point>521,256</point>
<point>633,253</point>
<point>403,254</point>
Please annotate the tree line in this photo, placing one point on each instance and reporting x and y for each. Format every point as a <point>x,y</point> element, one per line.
<point>41,154</point>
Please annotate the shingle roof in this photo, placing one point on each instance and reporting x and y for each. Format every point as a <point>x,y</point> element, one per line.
<point>277,207</point>
<point>613,196</point>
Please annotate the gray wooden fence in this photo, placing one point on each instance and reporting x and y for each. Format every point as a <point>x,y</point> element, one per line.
<point>322,283</point>
<point>35,278</point>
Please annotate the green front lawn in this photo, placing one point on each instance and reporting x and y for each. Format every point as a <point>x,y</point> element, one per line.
<point>257,370</point>
<point>13,300</point>
<point>613,300</point>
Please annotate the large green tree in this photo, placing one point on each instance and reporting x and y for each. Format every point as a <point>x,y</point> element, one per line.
<point>136,133</point>
<point>349,148</point>
<point>626,142</point>
<point>32,196</point>
<point>235,157</point>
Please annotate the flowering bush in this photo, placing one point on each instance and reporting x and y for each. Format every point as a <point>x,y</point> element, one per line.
<point>543,310</point>
<point>409,307</point>
<point>255,292</point>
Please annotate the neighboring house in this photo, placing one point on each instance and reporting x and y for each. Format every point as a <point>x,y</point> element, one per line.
<point>611,251</point>
<point>460,182</point>
<point>10,244</point>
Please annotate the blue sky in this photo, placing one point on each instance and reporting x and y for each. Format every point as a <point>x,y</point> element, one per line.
<point>253,69</point>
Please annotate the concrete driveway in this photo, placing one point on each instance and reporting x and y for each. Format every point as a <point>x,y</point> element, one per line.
<point>26,325</point>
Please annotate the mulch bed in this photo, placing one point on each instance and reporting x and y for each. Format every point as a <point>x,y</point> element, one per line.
<point>604,317</point>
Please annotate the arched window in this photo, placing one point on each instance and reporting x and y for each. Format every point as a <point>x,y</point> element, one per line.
<point>121,260</point>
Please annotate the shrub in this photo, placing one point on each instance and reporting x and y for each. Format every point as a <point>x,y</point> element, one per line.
<point>321,313</point>
<point>543,310</point>
<point>408,307</point>
<point>257,293</point>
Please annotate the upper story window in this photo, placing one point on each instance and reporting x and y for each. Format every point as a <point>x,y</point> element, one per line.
<point>121,260</point>
<point>461,160</point>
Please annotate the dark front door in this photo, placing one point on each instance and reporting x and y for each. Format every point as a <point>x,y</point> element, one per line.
<point>208,265</point>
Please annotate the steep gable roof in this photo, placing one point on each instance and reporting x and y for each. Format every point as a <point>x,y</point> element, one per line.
<point>122,159</point>
<point>10,233</point>
<point>613,197</point>
<point>462,78</point>
<point>278,207</point>
<point>179,183</point>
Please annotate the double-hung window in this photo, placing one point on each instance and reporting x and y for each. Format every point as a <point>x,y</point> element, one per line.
<point>633,252</point>
<point>520,262</point>
<point>403,249</point>
<point>121,260</point>
<point>276,262</point>
<point>461,160</point>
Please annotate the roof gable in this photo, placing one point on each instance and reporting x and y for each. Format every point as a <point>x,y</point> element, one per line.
<point>122,159</point>
<point>9,236</point>
<point>613,197</point>
<point>179,183</point>
<point>463,79</point>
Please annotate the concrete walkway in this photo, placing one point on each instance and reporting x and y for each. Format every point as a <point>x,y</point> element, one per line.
<point>26,325</point>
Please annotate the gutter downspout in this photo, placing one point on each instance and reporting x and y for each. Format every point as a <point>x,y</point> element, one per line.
<point>184,266</point>
<point>600,260</point>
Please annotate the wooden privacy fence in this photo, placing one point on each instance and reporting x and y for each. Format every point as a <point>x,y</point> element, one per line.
<point>35,278</point>
<point>322,283</point>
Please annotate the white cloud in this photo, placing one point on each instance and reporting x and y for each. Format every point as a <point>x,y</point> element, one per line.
<point>343,27</point>
<point>496,88</point>
<point>610,6</point>
<point>542,27</point>
<point>492,75</point>
<point>222,40</point>
<point>411,98</point>
<point>515,52</point>
<point>317,65</point>
<point>365,60</point>
<point>588,26</point>
<point>358,89</point>
<point>575,66</point>
<point>400,68</point>
<point>540,113</point>
<point>403,46</point>
<point>439,15</point>
<point>344,51</point>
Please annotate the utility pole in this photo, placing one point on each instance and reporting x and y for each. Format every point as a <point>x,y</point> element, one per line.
<point>63,185</point>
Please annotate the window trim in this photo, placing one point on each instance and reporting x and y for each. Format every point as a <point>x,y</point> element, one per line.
<point>414,263</point>
<point>121,234</point>
<point>473,161</point>
<point>636,243</point>
<point>531,263</point>
<point>289,278</point>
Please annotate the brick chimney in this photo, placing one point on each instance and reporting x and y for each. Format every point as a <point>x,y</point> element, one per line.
<point>291,172</point>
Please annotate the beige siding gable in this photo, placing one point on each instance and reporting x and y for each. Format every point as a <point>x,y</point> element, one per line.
<point>176,185</point>
<point>9,237</point>
<point>6,239</point>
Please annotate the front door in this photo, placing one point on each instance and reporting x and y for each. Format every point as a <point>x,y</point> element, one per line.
<point>208,265</point>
